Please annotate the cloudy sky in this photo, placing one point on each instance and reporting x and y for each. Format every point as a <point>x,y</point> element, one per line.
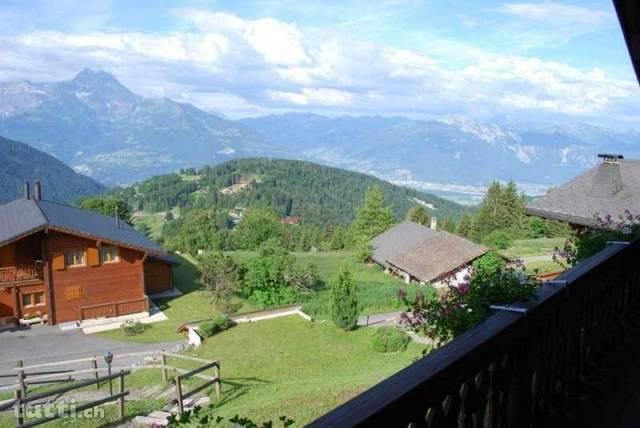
<point>541,60</point>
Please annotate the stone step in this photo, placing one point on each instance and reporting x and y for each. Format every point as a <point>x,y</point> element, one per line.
<point>146,421</point>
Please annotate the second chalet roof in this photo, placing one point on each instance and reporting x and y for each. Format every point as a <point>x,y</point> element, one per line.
<point>423,252</point>
<point>25,216</point>
<point>397,239</point>
<point>609,188</point>
<point>437,256</point>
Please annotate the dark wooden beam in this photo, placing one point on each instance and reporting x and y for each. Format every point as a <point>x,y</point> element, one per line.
<point>629,16</point>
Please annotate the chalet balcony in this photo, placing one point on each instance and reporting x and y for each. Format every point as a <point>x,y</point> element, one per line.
<point>567,358</point>
<point>21,273</point>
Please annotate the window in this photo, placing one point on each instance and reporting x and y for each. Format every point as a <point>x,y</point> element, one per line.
<point>74,258</point>
<point>109,254</point>
<point>33,299</point>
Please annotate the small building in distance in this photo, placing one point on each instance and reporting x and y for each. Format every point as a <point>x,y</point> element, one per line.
<point>425,255</point>
<point>290,220</point>
<point>608,189</point>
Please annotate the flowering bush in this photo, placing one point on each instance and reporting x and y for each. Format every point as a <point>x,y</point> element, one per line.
<point>466,304</point>
<point>626,227</point>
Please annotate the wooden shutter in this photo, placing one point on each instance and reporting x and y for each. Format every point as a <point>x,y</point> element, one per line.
<point>57,261</point>
<point>93,257</point>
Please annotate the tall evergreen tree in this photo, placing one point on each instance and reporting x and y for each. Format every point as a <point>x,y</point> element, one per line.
<point>344,299</point>
<point>464,227</point>
<point>373,217</point>
<point>449,224</point>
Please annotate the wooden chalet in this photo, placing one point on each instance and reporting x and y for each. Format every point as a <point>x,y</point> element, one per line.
<point>69,264</point>
<point>425,255</point>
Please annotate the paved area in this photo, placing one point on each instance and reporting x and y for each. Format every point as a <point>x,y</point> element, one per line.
<point>40,344</point>
<point>378,320</point>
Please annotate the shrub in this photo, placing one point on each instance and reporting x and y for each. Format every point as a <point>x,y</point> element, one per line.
<point>467,304</point>
<point>133,328</point>
<point>214,325</point>
<point>498,240</point>
<point>389,339</point>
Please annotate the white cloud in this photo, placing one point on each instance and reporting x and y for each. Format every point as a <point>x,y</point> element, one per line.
<point>246,67</point>
<point>311,96</point>
<point>556,12</point>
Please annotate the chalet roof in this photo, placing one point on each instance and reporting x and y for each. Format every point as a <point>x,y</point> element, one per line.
<point>609,188</point>
<point>397,239</point>
<point>437,255</point>
<point>25,216</point>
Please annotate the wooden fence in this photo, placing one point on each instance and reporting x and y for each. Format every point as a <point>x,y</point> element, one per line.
<point>25,376</point>
<point>22,400</point>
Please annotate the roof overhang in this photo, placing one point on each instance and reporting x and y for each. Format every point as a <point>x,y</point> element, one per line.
<point>567,218</point>
<point>629,16</point>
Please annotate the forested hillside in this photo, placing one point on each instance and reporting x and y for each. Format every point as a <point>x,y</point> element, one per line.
<point>318,194</point>
<point>19,163</point>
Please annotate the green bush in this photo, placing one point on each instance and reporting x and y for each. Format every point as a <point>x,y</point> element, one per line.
<point>498,240</point>
<point>214,325</point>
<point>389,339</point>
<point>133,328</point>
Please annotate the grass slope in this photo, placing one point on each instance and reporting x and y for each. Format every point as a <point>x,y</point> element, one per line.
<point>293,367</point>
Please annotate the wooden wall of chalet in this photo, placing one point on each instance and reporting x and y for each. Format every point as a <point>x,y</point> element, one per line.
<point>76,288</point>
<point>6,302</point>
<point>158,276</point>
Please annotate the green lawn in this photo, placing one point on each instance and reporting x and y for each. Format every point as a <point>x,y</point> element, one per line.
<point>536,253</point>
<point>533,247</point>
<point>289,366</point>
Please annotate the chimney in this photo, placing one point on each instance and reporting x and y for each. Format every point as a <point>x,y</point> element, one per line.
<point>434,222</point>
<point>607,181</point>
<point>37,191</point>
<point>27,191</point>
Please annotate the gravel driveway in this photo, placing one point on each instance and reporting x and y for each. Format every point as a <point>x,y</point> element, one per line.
<point>41,344</point>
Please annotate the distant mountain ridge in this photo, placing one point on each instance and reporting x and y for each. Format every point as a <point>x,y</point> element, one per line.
<point>102,129</point>
<point>22,163</point>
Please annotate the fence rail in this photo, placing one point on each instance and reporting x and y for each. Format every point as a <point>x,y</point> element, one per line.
<point>517,369</point>
<point>21,402</point>
<point>25,376</point>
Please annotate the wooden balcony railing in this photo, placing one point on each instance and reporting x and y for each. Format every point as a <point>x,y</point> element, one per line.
<point>20,273</point>
<point>531,369</point>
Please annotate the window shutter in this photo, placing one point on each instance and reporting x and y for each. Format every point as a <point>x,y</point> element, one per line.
<point>93,257</point>
<point>57,261</point>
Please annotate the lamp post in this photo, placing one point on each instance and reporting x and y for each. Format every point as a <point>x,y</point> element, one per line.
<point>108,358</point>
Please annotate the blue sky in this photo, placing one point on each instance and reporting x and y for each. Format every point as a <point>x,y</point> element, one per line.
<point>513,60</point>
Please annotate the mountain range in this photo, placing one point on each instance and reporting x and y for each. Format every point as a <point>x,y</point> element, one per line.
<point>102,129</point>
<point>21,163</point>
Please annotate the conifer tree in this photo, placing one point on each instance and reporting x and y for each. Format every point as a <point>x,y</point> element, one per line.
<point>373,217</point>
<point>344,299</point>
<point>464,227</point>
<point>449,224</point>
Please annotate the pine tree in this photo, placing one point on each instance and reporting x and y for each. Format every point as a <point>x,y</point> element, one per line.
<point>464,227</point>
<point>373,216</point>
<point>344,299</point>
<point>449,224</point>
